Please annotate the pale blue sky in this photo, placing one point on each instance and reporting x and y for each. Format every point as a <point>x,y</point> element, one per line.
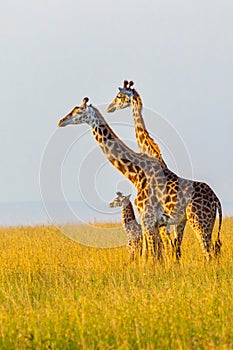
<point>53,53</point>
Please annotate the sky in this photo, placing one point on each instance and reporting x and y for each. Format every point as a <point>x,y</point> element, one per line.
<point>53,53</point>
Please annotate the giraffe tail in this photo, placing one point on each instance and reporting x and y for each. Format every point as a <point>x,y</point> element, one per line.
<point>218,243</point>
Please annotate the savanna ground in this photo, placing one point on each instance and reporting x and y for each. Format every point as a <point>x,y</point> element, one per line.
<point>58,294</point>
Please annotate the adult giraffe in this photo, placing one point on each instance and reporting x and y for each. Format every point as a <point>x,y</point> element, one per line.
<point>129,97</point>
<point>129,163</point>
<point>155,185</point>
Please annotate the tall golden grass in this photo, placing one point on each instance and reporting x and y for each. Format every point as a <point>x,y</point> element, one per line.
<point>58,294</point>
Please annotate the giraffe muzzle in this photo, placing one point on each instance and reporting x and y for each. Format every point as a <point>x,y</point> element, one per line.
<point>111,108</point>
<point>63,122</point>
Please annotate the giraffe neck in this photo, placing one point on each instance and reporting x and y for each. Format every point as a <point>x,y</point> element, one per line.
<point>127,214</point>
<point>136,106</point>
<point>145,143</point>
<point>122,157</point>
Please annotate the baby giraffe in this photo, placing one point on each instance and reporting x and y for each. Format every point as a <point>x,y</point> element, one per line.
<point>130,224</point>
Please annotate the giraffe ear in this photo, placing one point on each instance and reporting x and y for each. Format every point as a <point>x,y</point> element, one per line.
<point>128,197</point>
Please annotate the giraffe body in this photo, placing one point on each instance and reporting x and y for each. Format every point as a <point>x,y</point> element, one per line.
<point>163,198</point>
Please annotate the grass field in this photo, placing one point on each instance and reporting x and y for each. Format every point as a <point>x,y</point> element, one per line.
<point>58,294</point>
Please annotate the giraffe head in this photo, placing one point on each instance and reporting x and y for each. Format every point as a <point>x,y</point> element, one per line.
<point>79,115</point>
<point>124,97</point>
<point>120,200</point>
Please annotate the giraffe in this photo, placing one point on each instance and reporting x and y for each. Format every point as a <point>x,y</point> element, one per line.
<point>163,198</point>
<point>126,161</point>
<point>131,226</point>
<point>146,144</point>
<point>129,97</point>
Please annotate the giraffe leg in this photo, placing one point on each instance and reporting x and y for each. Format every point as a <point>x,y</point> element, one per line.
<point>150,235</point>
<point>144,246</point>
<point>140,246</point>
<point>166,239</point>
<point>131,251</point>
<point>169,240</point>
<point>204,241</point>
<point>136,250</point>
<point>152,243</point>
<point>202,222</point>
<point>160,248</point>
<point>132,258</point>
<point>179,231</point>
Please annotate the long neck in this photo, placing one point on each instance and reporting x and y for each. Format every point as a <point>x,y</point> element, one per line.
<point>145,143</point>
<point>127,214</point>
<point>122,157</point>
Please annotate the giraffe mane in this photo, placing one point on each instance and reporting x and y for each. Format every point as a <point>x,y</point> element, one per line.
<point>150,139</point>
<point>130,207</point>
<point>138,98</point>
